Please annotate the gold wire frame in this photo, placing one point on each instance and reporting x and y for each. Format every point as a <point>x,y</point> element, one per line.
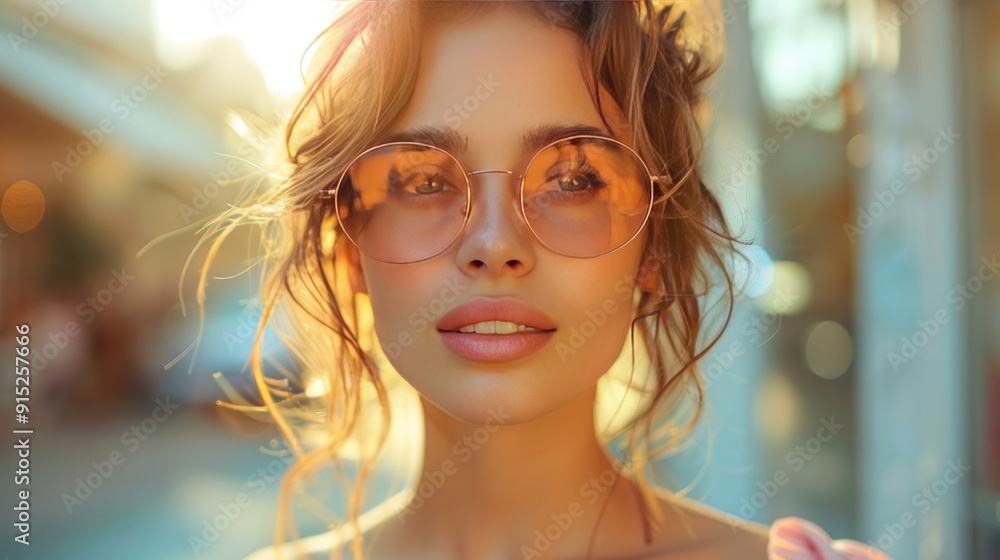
<point>520,187</point>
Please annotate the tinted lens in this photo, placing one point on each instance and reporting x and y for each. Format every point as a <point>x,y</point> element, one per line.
<point>403,202</point>
<point>584,197</point>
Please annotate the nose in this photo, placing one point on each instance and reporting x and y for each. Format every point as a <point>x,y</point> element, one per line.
<point>496,241</point>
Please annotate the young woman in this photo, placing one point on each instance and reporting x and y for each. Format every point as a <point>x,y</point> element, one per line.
<point>513,190</point>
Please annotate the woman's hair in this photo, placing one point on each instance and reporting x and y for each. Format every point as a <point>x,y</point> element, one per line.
<point>642,53</point>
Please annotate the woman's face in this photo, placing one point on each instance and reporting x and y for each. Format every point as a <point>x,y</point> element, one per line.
<point>492,79</point>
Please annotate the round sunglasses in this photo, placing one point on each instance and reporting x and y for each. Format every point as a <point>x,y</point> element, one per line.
<point>581,196</point>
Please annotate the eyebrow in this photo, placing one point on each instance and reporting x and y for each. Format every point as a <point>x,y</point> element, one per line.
<point>533,139</point>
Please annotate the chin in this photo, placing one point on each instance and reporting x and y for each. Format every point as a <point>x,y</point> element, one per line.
<point>481,398</point>
<point>519,392</point>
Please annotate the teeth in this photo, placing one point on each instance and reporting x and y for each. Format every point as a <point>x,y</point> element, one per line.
<point>495,327</point>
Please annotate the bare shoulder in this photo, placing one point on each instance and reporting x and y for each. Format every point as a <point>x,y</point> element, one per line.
<point>701,532</point>
<point>691,531</point>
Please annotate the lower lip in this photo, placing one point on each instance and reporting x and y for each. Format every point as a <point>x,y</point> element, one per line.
<point>495,347</point>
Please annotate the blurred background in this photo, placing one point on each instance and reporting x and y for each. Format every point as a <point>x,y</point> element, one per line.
<point>858,384</point>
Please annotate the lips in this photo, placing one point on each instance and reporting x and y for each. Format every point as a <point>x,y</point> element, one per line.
<point>481,309</point>
<point>495,347</point>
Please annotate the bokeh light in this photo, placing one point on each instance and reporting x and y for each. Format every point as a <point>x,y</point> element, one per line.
<point>829,349</point>
<point>274,34</point>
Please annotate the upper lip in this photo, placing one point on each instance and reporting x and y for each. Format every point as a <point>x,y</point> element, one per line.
<point>482,309</point>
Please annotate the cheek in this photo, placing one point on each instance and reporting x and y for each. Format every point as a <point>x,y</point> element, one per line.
<point>598,318</point>
<point>389,305</point>
<point>407,301</point>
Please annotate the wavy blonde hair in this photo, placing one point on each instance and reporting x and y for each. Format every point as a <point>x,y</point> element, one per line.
<point>643,54</point>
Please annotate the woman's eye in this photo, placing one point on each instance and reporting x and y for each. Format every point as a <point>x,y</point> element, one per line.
<point>431,186</point>
<point>573,183</point>
<point>417,183</point>
<point>579,181</point>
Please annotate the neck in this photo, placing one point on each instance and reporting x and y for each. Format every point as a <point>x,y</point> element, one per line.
<point>531,490</point>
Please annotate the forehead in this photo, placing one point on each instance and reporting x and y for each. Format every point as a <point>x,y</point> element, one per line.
<point>501,83</point>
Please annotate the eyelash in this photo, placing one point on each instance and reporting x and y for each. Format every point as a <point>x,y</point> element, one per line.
<point>585,169</point>
<point>396,184</point>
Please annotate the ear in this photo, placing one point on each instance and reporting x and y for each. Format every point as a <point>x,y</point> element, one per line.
<point>648,278</point>
<point>355,273</point>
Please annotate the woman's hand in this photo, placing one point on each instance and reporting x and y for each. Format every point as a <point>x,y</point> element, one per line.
<point>793,538</point>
